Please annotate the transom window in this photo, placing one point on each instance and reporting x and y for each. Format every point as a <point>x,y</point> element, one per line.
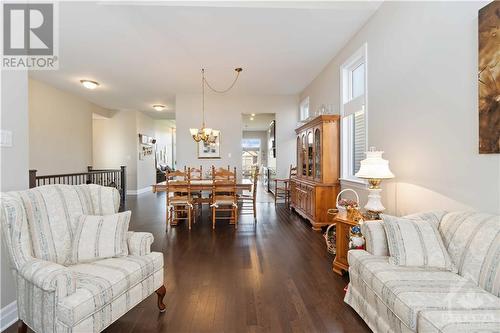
<point>354,136</point>
<point>304,109</point>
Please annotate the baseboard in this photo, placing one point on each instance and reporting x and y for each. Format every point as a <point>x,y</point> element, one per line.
<point>140,191</point>
<point>8,316</point>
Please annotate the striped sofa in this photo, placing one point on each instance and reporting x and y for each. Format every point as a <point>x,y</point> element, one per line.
<point>53,296</point>
<point>407,299</point>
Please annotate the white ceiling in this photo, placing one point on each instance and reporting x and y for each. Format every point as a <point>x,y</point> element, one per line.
<point>143,53</point>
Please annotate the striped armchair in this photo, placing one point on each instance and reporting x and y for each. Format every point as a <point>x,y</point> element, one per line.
<point>53,296</point>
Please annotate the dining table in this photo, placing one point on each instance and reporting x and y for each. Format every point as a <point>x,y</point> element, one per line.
<point>203,185</point>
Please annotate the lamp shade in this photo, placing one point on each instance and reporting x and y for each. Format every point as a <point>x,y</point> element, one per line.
<point>193,131</point>
<point>374,166</point>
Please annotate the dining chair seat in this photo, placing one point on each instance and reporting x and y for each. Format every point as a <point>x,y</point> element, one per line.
<point>221,200</point>
<point>180,201</point>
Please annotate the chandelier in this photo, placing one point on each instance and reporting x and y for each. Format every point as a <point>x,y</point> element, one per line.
<point>205,134</point>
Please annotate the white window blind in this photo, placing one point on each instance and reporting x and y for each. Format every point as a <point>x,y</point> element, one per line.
<point>304,109</point>
<point>354,114</point>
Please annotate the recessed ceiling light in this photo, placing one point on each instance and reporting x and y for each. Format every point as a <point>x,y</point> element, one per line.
<point>158,107</point>
<point>251,118</point>
<point>253,114</point>
<point>89,84</point>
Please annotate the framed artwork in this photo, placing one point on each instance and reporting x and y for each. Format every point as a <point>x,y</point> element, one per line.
<point>209,150</point>
<point>489,78</point>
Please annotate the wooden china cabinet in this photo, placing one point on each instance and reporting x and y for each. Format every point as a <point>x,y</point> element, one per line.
<point>314,190</point>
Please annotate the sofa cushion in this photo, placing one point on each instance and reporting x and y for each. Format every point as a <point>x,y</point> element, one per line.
<point>100,282</point>
<point>473,242</point>
<point>459,321</point>
<point>375,237</point>
<point>416,243</point>
<point>409,290</point>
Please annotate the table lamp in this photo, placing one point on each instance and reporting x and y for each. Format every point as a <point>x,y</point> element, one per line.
<point>374,168</point>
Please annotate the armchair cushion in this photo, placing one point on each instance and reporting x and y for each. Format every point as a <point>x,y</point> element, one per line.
<point>49,277</point>
<point>100,237</point>
<point>100,283</point>
<point>139,243</point>
<point>51,210</point>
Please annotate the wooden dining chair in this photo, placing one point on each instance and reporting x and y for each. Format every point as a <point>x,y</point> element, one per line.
<point>196,174</point>
<point>179,201</point>
<point>282,186</point>
<point>224,196</point>
<point>248,202</point>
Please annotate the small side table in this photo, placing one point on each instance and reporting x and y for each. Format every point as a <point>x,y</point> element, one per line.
<point>343,227</point>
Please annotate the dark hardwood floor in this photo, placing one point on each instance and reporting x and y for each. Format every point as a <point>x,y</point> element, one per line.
<point>273,277</point>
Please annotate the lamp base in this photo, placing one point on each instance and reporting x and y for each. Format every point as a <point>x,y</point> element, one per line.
<point>371,215</point>
<point>374,205</point>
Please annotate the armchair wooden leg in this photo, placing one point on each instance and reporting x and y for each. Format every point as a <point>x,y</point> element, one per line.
<point>161,294</point>
<point>22,327</point>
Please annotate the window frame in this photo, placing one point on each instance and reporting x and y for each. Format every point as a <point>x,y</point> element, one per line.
<point>303,104</point>
<point>349,106</point>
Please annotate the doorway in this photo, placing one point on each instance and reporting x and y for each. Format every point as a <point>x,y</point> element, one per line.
<point>258,147</point>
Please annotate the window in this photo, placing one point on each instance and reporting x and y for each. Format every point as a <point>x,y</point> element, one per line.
<point>250,143</point>
<point>304,109</point>
<point>354,114</point>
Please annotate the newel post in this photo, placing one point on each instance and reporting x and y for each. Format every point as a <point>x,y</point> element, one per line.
<point>32,178</point>
<point>89,175</point>
<point>123,185</point>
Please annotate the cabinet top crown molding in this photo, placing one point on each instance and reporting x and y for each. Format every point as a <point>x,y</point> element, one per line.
<point>318,120</point>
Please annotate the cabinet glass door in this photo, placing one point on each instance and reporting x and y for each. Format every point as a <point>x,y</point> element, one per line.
<point>299,155</point>
<point>310,155</point>
<point>317,154</point>
<point>304,155</point>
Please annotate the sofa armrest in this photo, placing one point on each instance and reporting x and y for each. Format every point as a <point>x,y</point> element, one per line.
<point>49,277</point>
<point>139,243</point>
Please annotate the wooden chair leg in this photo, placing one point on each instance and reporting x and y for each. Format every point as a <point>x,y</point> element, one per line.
<point>22,327</point>
<point>213,217</point>
<point>189,218</point>
<point>235,209</point>
<point>161,294</point>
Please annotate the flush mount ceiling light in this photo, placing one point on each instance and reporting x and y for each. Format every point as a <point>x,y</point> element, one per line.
<point>251,118</point>
<point>158,107</point>
<point>253,114</point>
<point>89,84</point>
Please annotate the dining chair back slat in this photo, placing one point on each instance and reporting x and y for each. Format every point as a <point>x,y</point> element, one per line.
<point>224,195</point>
<point>178,197</point>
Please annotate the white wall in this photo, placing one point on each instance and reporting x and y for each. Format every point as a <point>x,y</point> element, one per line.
<point>165,136</point>
<point>60,130</point>
<point>223,112</point>
<point>14,160</point>
<point>115,144</point>
<point>146,169</point>
<point>422,105</point>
